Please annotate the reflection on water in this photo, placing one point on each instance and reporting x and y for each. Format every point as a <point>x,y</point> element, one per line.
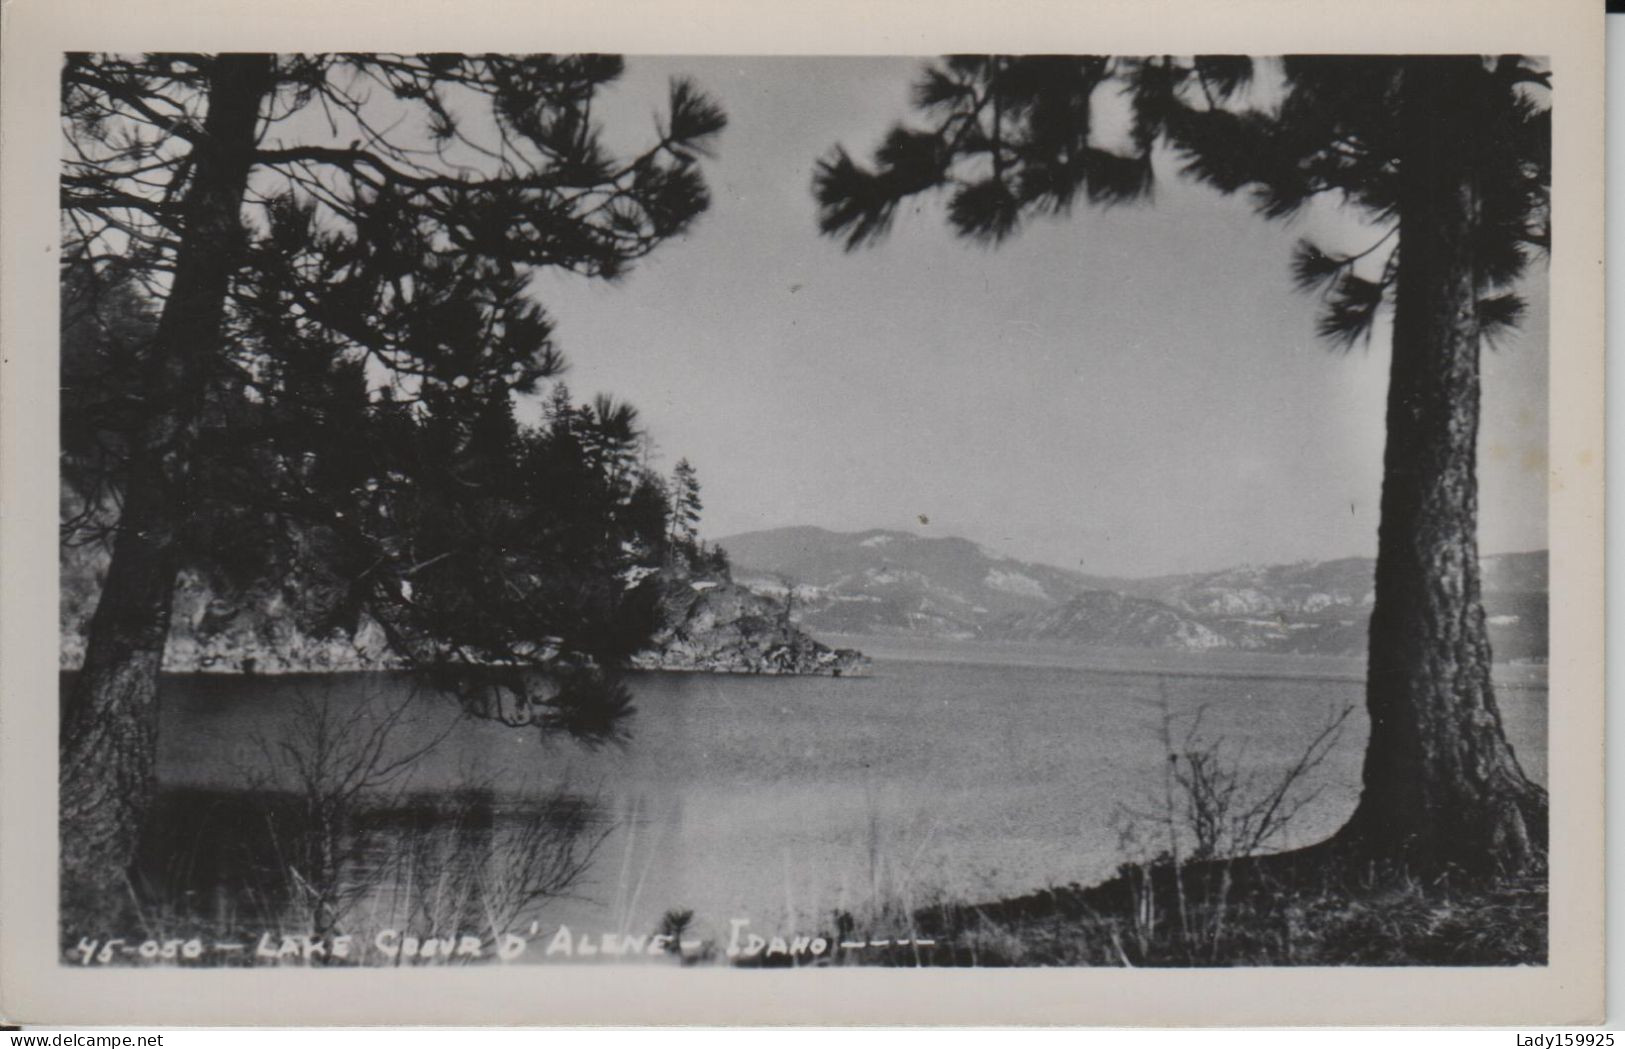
<point>307,816</point>
<point>425,865</point>
<point>796,805</point>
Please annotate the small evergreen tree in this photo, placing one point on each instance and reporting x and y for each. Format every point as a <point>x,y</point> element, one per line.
<point>686,507</point>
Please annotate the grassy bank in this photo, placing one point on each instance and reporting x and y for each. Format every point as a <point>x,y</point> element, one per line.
<point>1251,913</point>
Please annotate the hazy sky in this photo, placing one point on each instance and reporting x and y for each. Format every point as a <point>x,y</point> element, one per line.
<point>1130,391</point>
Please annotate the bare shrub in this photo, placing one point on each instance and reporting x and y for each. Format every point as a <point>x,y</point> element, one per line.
<point>359,849</point>
<point>478,866</point>
<point>334,758</point>
<point>1215,811</point>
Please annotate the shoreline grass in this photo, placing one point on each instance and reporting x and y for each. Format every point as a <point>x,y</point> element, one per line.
<point>1253,913</point>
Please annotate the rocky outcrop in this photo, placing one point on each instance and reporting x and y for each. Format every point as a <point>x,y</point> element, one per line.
<point>259,632</point>
<point>709,624</point>
<point>716,625</point>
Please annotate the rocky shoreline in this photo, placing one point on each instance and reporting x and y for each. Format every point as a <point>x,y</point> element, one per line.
<point>709,625</point>
<point>717,626</point>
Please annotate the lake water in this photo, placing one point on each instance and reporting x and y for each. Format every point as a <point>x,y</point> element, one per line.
<point>960,771</point>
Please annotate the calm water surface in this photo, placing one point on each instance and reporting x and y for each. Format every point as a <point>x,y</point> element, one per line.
<point>958,770</point>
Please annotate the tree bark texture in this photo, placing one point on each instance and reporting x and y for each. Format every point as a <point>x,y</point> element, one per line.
<point>110,723</point>
<point>1441,785</point>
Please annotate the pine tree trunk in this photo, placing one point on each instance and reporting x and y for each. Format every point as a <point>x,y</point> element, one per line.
<point>110,724</point>
<point>1441,784</point>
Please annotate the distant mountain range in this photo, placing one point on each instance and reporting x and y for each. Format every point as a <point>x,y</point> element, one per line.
<point>895,583</point>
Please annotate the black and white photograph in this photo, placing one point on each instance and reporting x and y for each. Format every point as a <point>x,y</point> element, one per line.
<point>712,511</point>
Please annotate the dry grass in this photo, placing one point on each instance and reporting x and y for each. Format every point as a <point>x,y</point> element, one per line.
<point>1268,922</point>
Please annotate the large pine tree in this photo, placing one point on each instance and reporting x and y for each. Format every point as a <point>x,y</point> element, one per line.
<point>1449,157</point>
<point>332,253</point>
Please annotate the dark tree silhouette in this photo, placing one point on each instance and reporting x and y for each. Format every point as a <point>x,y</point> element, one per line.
<point>1450,158</point>
<point>686,505</point>
<point>334,252</point>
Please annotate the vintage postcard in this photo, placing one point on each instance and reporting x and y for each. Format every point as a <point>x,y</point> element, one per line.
<point>823,513</point>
